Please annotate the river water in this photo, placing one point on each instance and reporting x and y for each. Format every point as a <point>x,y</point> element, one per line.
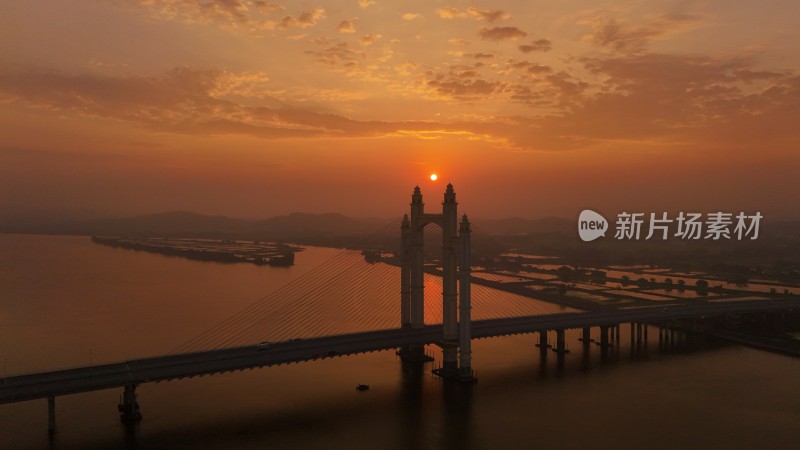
<point>67,302</point>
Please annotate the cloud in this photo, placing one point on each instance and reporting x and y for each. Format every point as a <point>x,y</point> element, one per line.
<point>304,20</point>
<point>346,26</point>
<point>234,15</point>
<point>369,39</point>
<point>365,3</point>
<point>412,16</point>
<point>199,11</point>
<point>182,100</point>
<point>704,101</point>
<point>472,12</point>
<point>538,69</point>
<point>322,40</point>
<point>539,45</point>
<point>267,8</point>
<point>202,102</point>
<point>529,67</point>
<point>609,33</point>
<point>715,101</point>
<point>488,15</point>
<point>479,55</point>
<point>457,41</point>
<point>340,55</point>
<point>447,13</point>
<point>501,34</point>
<point>465,89</point>
<point>463,83</point>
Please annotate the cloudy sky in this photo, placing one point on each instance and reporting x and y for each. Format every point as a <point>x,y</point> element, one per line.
<point>258,108</point>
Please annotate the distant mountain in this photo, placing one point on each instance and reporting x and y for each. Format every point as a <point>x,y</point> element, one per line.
<point>175,223</point>
<point>329,224</point>
<point>168,223</point>
<point>188,224</point>
<point>290,226</point>
<point>518,225</point>
<point>295,226</point>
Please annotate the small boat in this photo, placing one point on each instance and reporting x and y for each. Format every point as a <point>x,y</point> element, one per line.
<point>362,387</point>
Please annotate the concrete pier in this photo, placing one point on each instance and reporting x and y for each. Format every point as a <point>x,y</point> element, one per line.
<point>51,415</point>
<point>604,337</point>
<point>543,345</point>
<point>414,354</point>
<point>633,334</point>
<point>561,342</point>
<point>128,406</point>
<point>586,336</point>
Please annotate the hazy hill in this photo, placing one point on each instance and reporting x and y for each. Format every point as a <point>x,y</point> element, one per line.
<point>188,224</point>
<point>545,236</point>
<point>167,223</point>
<point>331,224</point>
<point>518,225</point>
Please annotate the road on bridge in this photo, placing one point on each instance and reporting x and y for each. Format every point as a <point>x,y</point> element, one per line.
<point>170,367</point>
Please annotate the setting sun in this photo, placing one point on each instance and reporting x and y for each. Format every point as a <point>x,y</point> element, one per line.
<point>434,177</point>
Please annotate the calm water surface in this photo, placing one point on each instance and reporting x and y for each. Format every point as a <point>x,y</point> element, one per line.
<point>65,302</point>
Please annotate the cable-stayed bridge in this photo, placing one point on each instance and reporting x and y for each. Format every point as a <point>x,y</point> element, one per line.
<point>396,300</point>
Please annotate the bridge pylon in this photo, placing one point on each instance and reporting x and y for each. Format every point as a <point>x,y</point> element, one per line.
<point>465,372</point>
<point>455,282</point>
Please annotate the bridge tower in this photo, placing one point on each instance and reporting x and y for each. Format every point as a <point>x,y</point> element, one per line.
<point>412,278</point>
<point>465,302</point>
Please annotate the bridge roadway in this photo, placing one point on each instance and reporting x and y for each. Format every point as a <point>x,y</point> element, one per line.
<point>170,367</point>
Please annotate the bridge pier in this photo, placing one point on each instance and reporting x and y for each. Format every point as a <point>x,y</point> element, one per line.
<point>414,354</point>
<point>586,357</point>
<point>586,336</point>
<point>449,367</point>
<point>128,407</point>
<point>633,334</point>
<point>543,345</point>
<point>639,334</point>
<point>604,344</point>
<point>604,338</point>
<point>561,343</point>
<point>51,415</point>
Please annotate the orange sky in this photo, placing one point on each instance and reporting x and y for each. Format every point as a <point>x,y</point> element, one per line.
<point>258,108</point>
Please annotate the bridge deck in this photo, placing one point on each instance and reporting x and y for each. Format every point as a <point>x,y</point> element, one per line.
<point>169,367</point>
